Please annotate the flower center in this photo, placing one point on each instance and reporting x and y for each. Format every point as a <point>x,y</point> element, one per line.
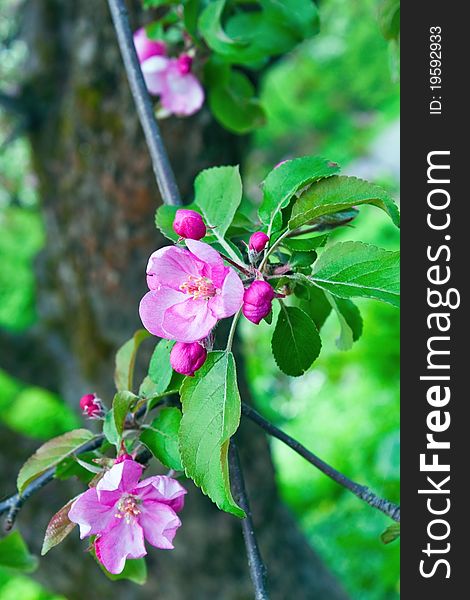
<point>127,508</point>
<point>200,288</point>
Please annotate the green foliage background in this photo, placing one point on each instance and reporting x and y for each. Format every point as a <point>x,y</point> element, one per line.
<point>334,96</point>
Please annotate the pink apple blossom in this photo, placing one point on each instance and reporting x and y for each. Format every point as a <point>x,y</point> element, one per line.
<point>190,290</point>
<point>187,358</point>
<point>257,301</point>
<point>182,94</point>
<point>145,47</point>
<point>121,512</point>
<point>154,70</point>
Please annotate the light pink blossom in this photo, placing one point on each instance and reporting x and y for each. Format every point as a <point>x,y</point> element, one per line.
<point>154,70</point>
<point>182,94</point>
<point>145,47</point>
<point>190,290</point>
<point>121,512</point>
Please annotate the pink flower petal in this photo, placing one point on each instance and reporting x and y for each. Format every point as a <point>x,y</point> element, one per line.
<point>204,252</point>
<point>121,478</point>
<point>160,488</point>
<point>159,522</point>
<point>153,307</point>
<point>91,516</point>
<point>145,47</point>
<point>214,267</point>
<point>171,266</point>
<point>230,299</point>
<point>182,94</point>
<point>124,540</point>
<point>189,321</point>
<point>154,70</point>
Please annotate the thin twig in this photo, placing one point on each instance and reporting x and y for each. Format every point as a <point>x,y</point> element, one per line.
<point>233,328</point>
<point>241,268</point>
<point>361,491</point>
<point>255,561</point>
<point>160,162</point>
<point>13,505</point>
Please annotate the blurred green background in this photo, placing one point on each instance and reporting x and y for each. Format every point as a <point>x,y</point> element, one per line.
<point>335,96</point>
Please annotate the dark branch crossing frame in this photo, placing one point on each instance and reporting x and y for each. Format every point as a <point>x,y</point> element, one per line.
<point>170,194</point>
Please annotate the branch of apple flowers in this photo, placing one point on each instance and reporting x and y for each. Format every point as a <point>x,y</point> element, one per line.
<point>170,195</point>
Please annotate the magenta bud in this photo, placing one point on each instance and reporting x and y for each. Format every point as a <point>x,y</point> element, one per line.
<point>187,358</point>
<point>258,241</point>
<point>189,224</point>
<point>257,301</point>
<point>184,64</point>
<point>91,406</point>
<point>146,47</point>
<point>122,458</point>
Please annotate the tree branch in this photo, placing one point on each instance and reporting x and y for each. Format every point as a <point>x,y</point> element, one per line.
<point>160,162</point>
<point>361,491</point>
<point>13,504</point>
<point>255,562</point>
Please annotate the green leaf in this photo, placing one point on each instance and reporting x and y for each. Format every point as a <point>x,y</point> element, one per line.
<point>160,371</point>
<point>251,37</point>
<point>122,404</point>
<point>302,259</point>
<point>125,360</point>
<point>300,15</point>
<point>50,454</point>
<point>391,533</point>
<point>305,244</point>
<point>389,18</point>
<point>58,528</point>
<point>70,467</point>
<point>164,218</point>
<point>315,304</point>
<point>350,269</point>
<point>286,180</point>
<point>218,195</point>
<point>135,570</point>
<point>14,554</point>
<point>109,429</point>
<point>234,103</point>
<point>162,438</point>
<point>340,193</point>
<point>350,321</point>
<point>211,415</point>
<point>210,26</point>
<point>296,342</point>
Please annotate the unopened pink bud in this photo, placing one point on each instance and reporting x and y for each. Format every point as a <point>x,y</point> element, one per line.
<point>187,358</point>
<point>122,458</point>
<point>258,241</point>
<point>184,64</point>
<point>91,406</point>
<point>257,301</point>
<point>189,224</point>
<point>146,47</point>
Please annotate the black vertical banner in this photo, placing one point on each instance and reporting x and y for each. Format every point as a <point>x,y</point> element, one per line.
<point>435,203</point>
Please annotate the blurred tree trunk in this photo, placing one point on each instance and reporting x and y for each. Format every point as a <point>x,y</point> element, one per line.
<point>98,199</point>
